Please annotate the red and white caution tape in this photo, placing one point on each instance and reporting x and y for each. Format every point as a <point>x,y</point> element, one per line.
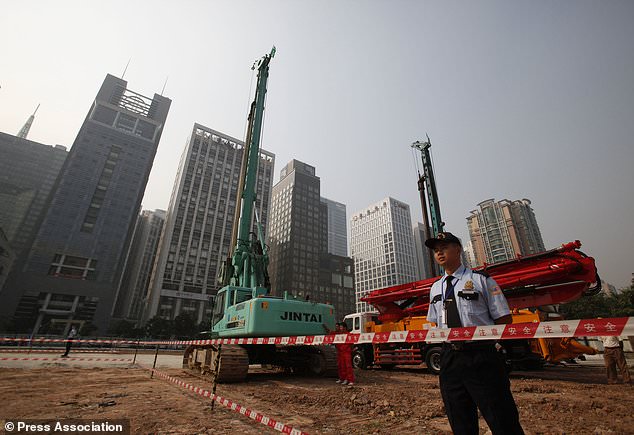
<point>63,359</point>
<point>61,349</point>
<point>229,404</point>
<point>556,329</point>
<point>36,340</point>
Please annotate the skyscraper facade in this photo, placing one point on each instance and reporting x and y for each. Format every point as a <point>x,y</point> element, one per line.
<point>499,231</point>
<point>76,261</point>
<point>382,246</point>
<point>297,231</point>
<point>28,171</point>
<point>302,225</point>
<point>141,258</point>
<point>336,283</point>
<point>197,232</point>
<point>7,256</point>
<point>528,234</point>
<point>422,253</point>
<point>337,227</point>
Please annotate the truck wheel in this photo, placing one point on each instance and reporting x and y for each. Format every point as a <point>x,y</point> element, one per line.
<point>432,360</point>
<point>358,359</point>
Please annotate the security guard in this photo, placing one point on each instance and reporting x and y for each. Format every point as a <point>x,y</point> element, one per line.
<point>472,374</point>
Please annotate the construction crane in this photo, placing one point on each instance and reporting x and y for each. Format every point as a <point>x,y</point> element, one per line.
<point>432,219</point>
<point>244,307</point>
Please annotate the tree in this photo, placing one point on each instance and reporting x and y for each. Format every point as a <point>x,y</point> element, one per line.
<point>185,326</point>
<point>125,328</point>
<point>619,305</point>
<point>159,328</point>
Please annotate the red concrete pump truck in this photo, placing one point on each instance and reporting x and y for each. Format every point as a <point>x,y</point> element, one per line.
<point>534,286</point>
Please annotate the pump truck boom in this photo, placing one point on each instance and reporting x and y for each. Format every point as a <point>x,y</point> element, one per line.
<point>244,306</point>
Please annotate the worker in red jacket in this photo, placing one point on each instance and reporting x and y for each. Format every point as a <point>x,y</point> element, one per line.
<point>344,358</point>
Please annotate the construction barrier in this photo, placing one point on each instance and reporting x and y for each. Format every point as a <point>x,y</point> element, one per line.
<point>63,359</point>
<point>615,326</point>
<point>61,349</point>
<point>229,404</point>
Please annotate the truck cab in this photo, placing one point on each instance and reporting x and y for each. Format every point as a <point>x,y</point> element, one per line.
<point>387,355</point>
<point>358,323</point>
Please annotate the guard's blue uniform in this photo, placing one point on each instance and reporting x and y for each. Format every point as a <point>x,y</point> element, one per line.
<point>483,309</point>
<point>472,374</point>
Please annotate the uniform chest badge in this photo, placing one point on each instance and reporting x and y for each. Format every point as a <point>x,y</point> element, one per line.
<point>468,285</point>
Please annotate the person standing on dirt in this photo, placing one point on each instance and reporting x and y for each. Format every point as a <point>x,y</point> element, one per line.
<point>69,339</point>
<point>344,358</point>
<point>613,356</point>
<point>472,373</point>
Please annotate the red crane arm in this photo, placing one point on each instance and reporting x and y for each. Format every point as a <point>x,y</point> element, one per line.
<point>552,277</point>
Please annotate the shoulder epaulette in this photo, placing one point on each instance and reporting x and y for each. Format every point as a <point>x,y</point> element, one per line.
<point>483,273</point>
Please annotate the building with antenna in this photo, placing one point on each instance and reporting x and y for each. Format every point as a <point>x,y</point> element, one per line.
<point>28,171</point>
<point>73,268</point>
<point>24,131</point>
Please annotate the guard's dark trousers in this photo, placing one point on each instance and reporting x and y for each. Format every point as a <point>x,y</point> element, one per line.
<point>472,379</point>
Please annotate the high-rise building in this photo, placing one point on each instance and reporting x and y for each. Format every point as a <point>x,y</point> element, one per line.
<point>382,246</point>
<point>423,259</point>
<point>337,227</point>
<point>297,232</point>
<point>76,261</point>
<point>469,254</point>
<point>6,258</point>
<point>197,232</point>
<point>336,283</point>
<point>302,259</point>
<point>28,171</point>
<point>500,231</point>
<point>528,234</point>
<point>130,300</point>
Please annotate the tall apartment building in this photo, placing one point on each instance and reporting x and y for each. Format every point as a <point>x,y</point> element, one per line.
<point>423,260</point>
<point>337,227</point>
<point>28,171</point>
<point>501,230</point>
<point>197,231</point>
<point>76,261</point>
<point>382,246</point>
<point>134,286</point>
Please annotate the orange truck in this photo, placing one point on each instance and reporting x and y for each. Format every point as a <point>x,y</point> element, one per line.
<point>522,354</point>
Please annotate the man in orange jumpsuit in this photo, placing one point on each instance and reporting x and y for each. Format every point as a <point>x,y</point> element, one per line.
<point>344,358</point>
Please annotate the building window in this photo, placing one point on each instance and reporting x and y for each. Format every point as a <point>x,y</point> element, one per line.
<point>69,266</point>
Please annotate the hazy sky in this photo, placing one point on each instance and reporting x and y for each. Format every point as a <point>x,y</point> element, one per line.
<point>531,99</point>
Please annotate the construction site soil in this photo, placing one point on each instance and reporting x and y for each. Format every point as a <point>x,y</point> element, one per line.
<point>572,400</point>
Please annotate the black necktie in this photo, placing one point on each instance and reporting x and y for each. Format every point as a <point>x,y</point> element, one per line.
<point>449,289</point>
<point>451,307</point>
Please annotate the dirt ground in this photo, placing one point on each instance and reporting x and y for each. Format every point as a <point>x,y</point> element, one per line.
<point>556,400</point>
